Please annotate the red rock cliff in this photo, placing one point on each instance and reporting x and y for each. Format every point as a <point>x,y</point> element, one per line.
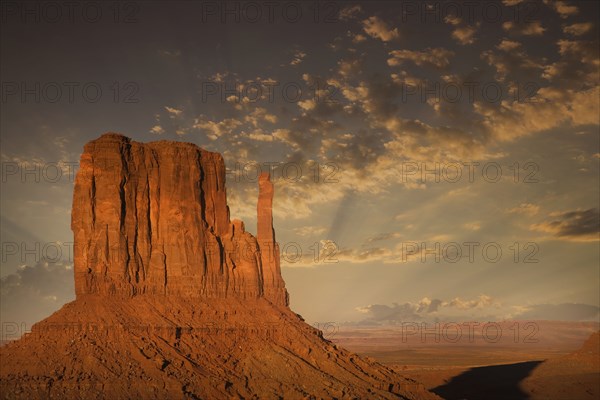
<point>153,218</point>
<point>274,284</point>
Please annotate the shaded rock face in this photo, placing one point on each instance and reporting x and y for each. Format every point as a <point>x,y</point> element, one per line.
<point>153,219</point>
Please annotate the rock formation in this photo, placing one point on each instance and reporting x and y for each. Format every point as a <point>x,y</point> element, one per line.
<point>274,286</point>
<point>153,218</point>
<point>174,300</point>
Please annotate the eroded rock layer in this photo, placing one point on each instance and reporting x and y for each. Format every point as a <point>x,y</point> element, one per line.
<point>153,218</point>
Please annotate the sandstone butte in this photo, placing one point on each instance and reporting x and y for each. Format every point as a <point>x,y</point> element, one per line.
<point>176,301</point>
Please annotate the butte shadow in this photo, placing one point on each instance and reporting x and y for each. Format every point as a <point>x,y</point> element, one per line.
<point>495,382</point>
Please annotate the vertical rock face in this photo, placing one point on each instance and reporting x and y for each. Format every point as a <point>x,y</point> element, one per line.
<point>274,284</point>
<point>153,218</point>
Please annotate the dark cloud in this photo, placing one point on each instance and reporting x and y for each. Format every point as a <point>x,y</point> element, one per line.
<point>573,225</point>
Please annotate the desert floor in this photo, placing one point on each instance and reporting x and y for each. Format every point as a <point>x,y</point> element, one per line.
<point>527,360</point>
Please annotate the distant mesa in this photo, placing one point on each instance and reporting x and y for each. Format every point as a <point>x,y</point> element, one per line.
<point>174,299</point>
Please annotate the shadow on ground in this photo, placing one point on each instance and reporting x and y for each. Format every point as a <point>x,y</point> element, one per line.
<point>496,382</point>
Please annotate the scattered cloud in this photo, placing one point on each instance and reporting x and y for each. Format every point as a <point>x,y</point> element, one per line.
<point>437,57</point>
<point>350,12</point>
<point>485,306</point>
<point>563,8</point>
<point>472,226</point>
<point>298,58</point>
<point>525,209</point>
<point>508,45</point>
<point>578,29</point>
<point>173,112</point>
<point>480,302</point>
<point>358,38</point>
<point>426,308</point>
<point>214,130</point>
<point>383,236</point>
<point>464,34</point>
<point>310,231</point>
<point>379,29</point>
<point>258,116</point>
<point>533,28</point>
<point>157,129</point>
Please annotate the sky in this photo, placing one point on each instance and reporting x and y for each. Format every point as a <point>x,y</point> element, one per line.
<point>431,160</point>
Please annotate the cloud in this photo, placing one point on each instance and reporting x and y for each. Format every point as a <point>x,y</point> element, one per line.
<point>512,62</point>
<point>157,129</point>
<point>525,209</point>
<point>563,9</point>
<point>214,130</point>
<point>578,29</point>
<point>508,45</point>
<point>310,231</point>
<point>258,116</point>
<point>34,292</point>
<point>465,34</point>
<point>358,38</point>
<point>479,302</point>
<point>549,108</point>
<point>350,12</point>
<point>577,226</point>
<point>379,29</point>
<point>331,253</point>
<point>426,309</point>
<point>298,58</point>
<point>437,57</point>
<point>173,112</point>
<point>472,226</point>
<point>365,129</point>
<point>358,256</point>
<point>559,312</point>
<point>394,313</point>
<point>349,68</point>
<point>383,236</point>
<point>482,306</point>
<point>533,28</point>
<point>577,66</point>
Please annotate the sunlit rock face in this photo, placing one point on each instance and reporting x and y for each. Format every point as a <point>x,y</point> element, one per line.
<point>153,218</point>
